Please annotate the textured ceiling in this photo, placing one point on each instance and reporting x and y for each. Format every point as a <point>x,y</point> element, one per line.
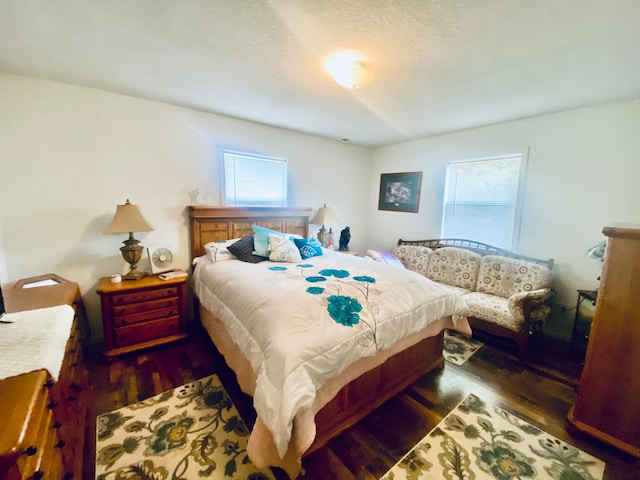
<point>439,66</point>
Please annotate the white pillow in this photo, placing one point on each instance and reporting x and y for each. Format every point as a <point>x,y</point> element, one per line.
<point>282,249</point>
<point>217,251</point>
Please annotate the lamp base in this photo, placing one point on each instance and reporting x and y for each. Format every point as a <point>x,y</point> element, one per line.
<point>132,253</point>
<point>323,237</point>
<point>134,275</point>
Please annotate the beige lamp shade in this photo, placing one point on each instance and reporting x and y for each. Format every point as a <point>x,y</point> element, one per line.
<point>325,216</point>
<point>129,219</point>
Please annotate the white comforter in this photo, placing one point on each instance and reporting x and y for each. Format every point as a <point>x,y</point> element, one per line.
<point>302,324</point>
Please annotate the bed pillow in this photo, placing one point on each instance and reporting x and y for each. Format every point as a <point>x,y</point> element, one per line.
<point>309,247</point>
<point>219,251</point>
<point>282,249</point>
<point>261,240</point>
<point>243,250</point>
<point>385,257</point>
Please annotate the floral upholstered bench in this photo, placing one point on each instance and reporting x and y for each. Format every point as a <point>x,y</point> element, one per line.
<point>506,292</point>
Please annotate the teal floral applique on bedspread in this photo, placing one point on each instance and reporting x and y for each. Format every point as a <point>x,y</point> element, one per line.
<point>347,296</point>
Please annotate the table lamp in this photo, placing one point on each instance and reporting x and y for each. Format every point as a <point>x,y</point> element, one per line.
<point>324,216</point>
<point>129,219</point>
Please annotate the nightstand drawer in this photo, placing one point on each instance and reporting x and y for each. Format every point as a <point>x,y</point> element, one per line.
<point>137,312</point>
<point>144,295</point>
<point>142,332</point>
<point>146,316</point>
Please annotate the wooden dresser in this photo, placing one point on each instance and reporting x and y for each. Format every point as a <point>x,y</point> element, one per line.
<point>43,422</point>
<point>606,406</point>
<point>138,314</point>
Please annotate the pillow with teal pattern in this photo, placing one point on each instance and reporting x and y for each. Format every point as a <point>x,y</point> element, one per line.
<point>282,249</point>
<point>261,240</point>
<point>309,247</point>
<point>218,251</point>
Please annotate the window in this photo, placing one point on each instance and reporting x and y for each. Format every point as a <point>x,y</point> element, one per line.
<point>482,201</point>
<point>252,180</point>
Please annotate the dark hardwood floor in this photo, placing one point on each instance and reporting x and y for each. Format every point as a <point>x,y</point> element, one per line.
<point>540,393</point>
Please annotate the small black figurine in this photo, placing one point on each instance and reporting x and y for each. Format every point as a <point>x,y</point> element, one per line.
<point>345,236</point>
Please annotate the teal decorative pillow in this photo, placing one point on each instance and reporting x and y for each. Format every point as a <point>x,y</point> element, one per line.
<point>309,247</point>
<point>261,240</point>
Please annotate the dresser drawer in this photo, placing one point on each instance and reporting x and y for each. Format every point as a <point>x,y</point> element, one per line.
<point>34,458</point>
<point>142,332</point>
<point>34,452</point>
<point>144,295</point>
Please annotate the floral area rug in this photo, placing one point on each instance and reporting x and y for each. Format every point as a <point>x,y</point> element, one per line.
<point>477,441</point>
<point>193,431</point>
<point>458,348</point>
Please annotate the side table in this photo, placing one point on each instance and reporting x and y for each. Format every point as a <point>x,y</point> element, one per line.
<point>139,314</point>
<point>46,291</point>
<point>583,320</point>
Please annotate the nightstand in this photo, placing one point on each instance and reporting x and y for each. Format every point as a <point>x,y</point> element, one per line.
<point>585,310</point>
<point>138,314</point>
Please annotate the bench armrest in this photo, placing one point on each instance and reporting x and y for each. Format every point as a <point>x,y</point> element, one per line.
<point>530,307</point>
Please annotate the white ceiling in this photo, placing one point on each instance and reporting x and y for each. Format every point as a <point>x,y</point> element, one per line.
<point>440,65</point>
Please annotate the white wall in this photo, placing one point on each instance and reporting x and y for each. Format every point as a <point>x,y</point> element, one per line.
<point>583,173</point>
<point>69,155</point>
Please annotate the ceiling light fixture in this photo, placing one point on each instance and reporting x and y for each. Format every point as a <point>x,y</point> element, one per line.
<point>348,69</point>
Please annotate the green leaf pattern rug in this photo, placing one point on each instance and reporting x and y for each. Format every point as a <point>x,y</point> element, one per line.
<point>458,348</point>
<point>479,441</point>
<point>191,432</point>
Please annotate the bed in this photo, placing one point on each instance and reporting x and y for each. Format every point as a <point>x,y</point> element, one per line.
<point>320,343</point>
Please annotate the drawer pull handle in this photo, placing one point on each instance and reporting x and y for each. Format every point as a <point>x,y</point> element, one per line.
<point>71,398</point>
<point>31,450</point>
<point>60,444</point>
<point>49,384</point>
<point>73,350</point>
<point>75,387</point>
<point>68,476</point>
<point>56,425</point>
<point>52,405</point>
<point>39,475</point>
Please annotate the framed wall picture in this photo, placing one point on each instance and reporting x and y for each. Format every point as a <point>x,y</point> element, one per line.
<point>400,192</point>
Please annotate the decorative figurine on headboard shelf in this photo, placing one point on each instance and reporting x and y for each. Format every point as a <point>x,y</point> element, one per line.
<point>345,236</point>
<point>330,242</point>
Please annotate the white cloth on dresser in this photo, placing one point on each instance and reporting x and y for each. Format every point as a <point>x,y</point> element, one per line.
<point>35,339</point>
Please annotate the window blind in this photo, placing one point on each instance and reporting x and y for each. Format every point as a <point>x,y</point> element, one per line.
<point>481,200</point>
<point>251,180</point>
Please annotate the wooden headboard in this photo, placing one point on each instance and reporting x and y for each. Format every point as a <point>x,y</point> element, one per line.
<point>210,224</point>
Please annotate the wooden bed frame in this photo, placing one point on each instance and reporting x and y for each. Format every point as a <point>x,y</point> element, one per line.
<point>367,392</point>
